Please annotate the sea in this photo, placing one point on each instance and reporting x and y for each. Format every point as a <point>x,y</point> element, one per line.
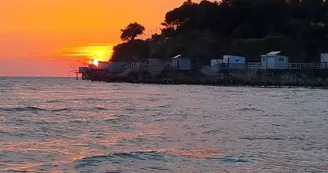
<point>68,125</point>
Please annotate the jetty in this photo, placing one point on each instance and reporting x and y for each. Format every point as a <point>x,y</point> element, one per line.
<point>273,71</point>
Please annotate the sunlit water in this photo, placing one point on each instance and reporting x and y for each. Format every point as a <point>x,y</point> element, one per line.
<point>64,125</point>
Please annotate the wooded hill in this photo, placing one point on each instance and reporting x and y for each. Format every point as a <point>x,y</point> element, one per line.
<point>247,28</point>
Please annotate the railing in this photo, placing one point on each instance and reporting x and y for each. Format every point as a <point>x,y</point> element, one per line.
<point>290,66</point>
<point>254,65</point>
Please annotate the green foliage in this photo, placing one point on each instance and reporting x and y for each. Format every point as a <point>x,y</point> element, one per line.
<point>249,28</point>
<point>130,32</point>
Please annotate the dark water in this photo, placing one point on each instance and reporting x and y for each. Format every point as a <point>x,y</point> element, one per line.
<point>63,125</point>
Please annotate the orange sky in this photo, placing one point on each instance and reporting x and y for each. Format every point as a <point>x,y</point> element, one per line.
<point>37,36</point>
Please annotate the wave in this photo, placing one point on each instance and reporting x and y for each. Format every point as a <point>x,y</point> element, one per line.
<point>37,109</point>
<point>263,138</point>
<point>232,159</point>
<point>250,109</point>
<point>159,157</point>
<point>62,110</point>
<point>99,108</point>
<point>22,109</point>
<point>124,156</point>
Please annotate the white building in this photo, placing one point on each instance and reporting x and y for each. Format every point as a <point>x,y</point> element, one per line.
<point>92,67</point>
<point>152,62</point>
<point>216,62</point>
<point>115,67</point>
<point>273,60</point>
<point>181,63</point>
<point>232,61</point>
<point>324,60</point>
<point>103,65</point>
<point>156,66</point>
<point>83,69</point>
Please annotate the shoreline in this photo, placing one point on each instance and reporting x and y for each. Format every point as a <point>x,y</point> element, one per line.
<point>227,77</point>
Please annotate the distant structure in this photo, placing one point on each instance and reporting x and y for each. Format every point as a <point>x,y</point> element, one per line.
<point>232,61</point>
<point>103,65</point>
<point>324,60</point>
<point>273,60</point>
<point>115,67</point>
<point>181,63</point>
<point>216,62</point>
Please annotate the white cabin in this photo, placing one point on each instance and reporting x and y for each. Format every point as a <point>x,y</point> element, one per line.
<point>92,67</point>
<point>324,60</point>
<point>216,62</point>
<point>103,65</point>
<point>181,63</point>
<point>115,66</point>
<point>273,60</point>
<point>83,69</point>
<point>232,61</point>
<point>153,62</point>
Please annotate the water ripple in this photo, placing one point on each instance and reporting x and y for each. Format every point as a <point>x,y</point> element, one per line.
<point>64,125</point>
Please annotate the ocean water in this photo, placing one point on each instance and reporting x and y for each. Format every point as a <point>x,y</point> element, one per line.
<point>64,125</point>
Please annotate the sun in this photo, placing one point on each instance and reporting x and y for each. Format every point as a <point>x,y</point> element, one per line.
<point>92,53</point>
<point>95,62</point>
<point>99,53</point>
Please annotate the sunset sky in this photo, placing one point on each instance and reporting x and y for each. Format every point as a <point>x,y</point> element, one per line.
<point>46,37</point>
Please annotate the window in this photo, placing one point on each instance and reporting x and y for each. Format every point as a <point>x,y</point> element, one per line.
<point>263,59</point>
<point>281,59</point>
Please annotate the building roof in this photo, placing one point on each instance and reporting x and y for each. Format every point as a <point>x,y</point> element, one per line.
<point>178,56</point>
<point>273,53</point>
<point>103,62</point>
<point>324,57</point>
<point>181,57</point>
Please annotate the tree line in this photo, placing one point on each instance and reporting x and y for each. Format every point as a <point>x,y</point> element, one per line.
<point>248,28</point>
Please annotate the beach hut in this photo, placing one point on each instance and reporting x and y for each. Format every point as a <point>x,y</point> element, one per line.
<point>115,67</point>
<point>181,63</point>
<point>153,62</point>
<point>273,60</point>
<point>216,62</point>
<point>232,61</point>
<point>103,65</point>
<point>324,60</point>
<point>83,69</point>
<point>92,66</point>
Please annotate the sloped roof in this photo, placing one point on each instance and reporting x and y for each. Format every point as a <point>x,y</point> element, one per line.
<point>178,56</point>
<point>273,53</point>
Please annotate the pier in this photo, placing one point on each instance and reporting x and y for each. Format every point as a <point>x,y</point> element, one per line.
<point>251,74</point>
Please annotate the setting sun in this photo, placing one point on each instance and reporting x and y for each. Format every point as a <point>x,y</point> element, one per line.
<point>95,62</point>
<point>91,54</point>
<point>98,53</point>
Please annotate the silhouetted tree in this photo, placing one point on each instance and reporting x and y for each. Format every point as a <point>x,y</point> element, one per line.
<point>130,32</point>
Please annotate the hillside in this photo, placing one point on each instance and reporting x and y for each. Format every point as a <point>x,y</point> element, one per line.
<point>248,28</point>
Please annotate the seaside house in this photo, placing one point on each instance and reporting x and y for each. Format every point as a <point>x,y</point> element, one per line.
<point>232,61</point>
<point>213,69</point>
<point>103,65</point>
<point>92,67</point>
<point>273,60</point>
<point>83,69</point>
<point>324,60</point>
<point>153,62</point>
<point>115,67</point>
<point>181,63</point>
<point>156,66</point>
<point>216,62</point>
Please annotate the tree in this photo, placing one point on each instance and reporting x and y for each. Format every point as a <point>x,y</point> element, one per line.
<point>178,16</point>
<point>133,30</point>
